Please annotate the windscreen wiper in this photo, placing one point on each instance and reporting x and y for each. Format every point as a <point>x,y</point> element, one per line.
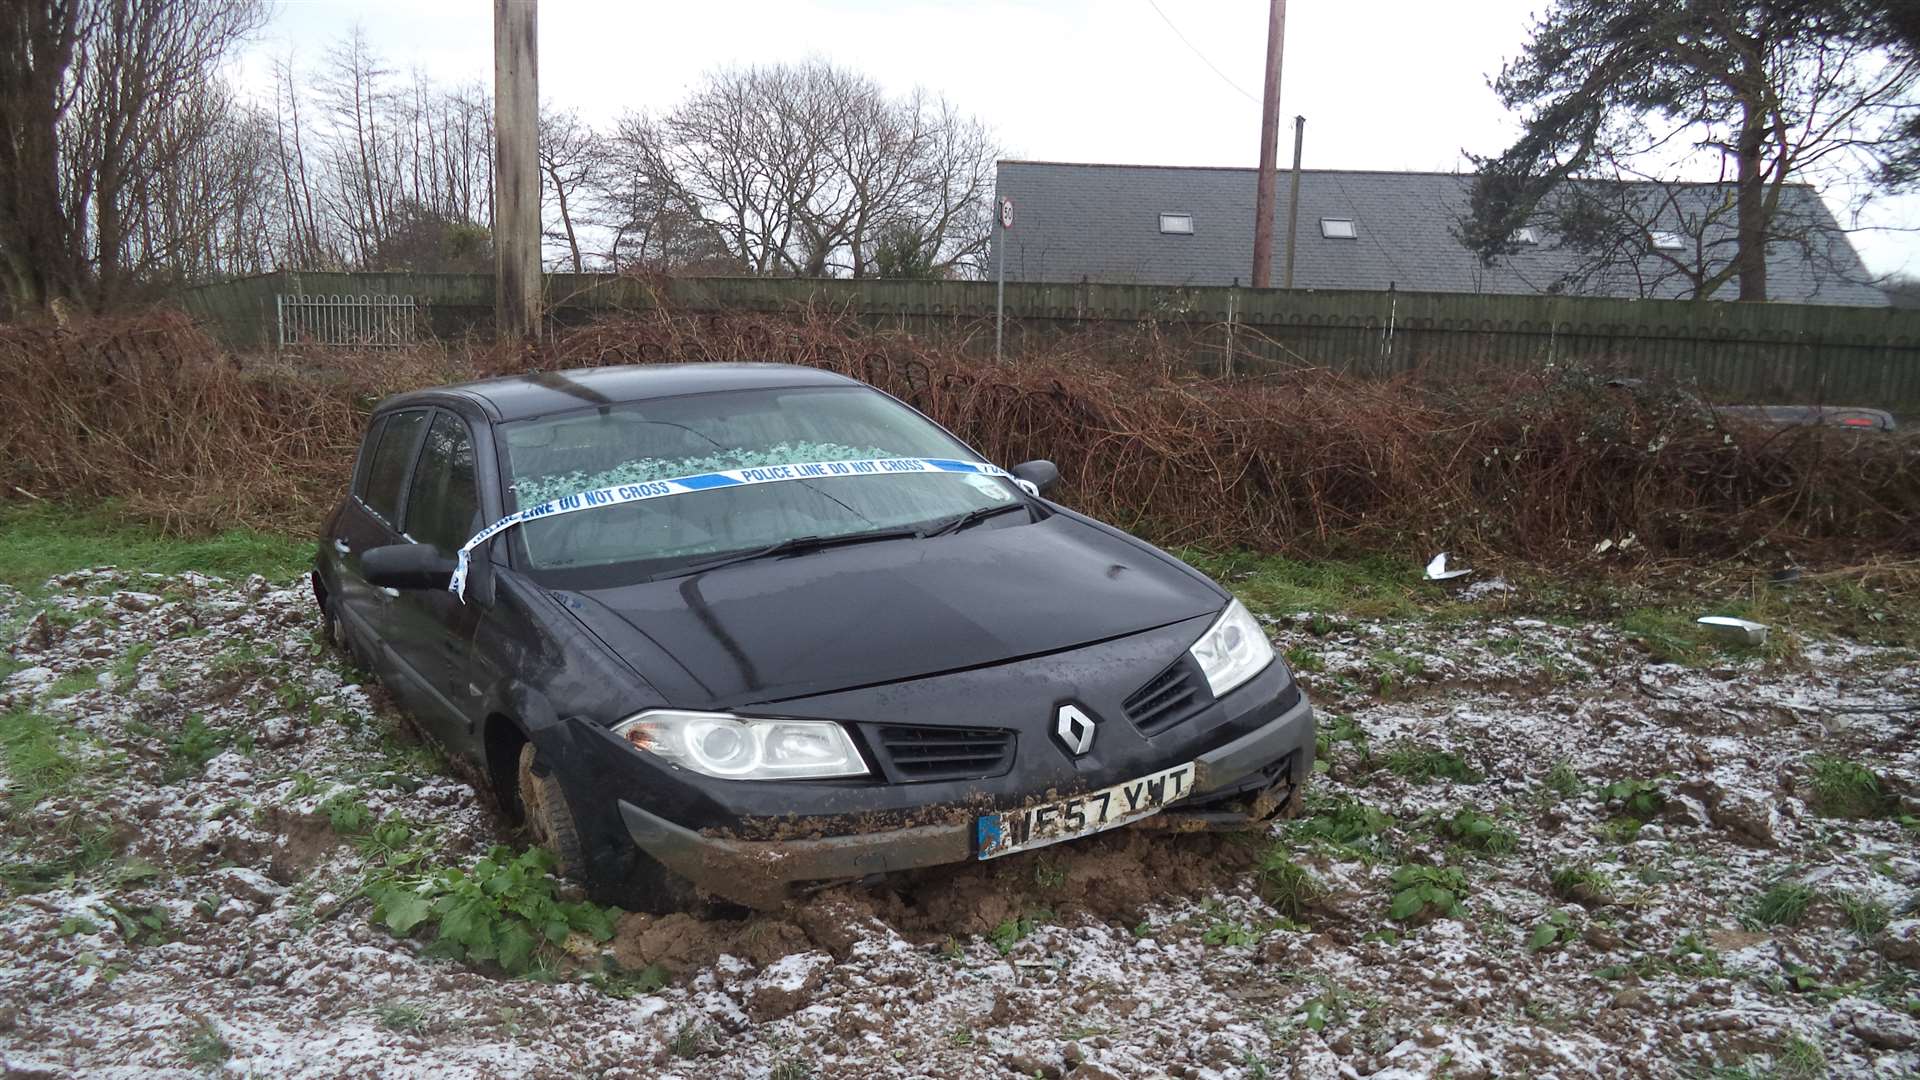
<point>978,514</point>
<point>789,546</point>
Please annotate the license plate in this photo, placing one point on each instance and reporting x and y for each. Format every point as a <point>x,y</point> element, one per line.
<point>1050,823</point>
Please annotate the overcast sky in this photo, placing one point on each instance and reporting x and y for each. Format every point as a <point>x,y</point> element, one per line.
<point>1384,84</point>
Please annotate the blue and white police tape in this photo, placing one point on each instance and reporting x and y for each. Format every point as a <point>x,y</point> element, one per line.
<point>687,485</point>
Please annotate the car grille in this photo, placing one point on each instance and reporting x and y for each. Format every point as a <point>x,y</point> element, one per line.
<point>945,753</point>
<point>1174,695</point>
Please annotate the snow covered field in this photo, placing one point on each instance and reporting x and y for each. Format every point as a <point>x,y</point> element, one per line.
<point>1534,851</point>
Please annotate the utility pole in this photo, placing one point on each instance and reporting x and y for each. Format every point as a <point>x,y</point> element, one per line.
<point>1269,149</point>
<point>516,167</point>
<point>1293,199</point>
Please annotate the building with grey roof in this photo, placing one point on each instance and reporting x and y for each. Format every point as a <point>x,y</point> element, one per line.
<point>1176,225</point>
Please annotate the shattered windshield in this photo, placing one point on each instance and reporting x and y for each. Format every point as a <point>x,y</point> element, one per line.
<point>562,455</point>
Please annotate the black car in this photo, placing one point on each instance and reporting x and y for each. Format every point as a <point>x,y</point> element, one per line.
<point>751,628</point>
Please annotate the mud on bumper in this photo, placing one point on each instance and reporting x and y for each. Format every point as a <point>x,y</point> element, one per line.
<point>1246,781</point>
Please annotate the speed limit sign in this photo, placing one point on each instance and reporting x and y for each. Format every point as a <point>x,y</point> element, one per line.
<point>1006,211</point>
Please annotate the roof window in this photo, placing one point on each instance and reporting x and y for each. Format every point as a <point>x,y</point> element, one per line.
<point>1337,228</point>
<point>1177,224</point>
<point>1664,240</point>
<point>1526,234</point>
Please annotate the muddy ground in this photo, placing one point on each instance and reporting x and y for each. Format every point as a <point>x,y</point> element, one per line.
<point>195,788</point>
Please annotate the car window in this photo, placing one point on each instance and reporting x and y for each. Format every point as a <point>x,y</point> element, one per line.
<point>391,456</point>
<point>551,457</point>
<point>443,508</point>
<point>365,464</point>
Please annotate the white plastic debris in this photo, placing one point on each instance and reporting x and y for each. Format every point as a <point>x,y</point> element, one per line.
<point>1437,569</point>
<point>1741,631</point>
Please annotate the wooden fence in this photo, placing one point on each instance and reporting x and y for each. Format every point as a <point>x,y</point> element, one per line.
<point>1755,353</point>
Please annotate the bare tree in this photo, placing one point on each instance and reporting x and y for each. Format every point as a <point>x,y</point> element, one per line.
<point>803,169</point>
<point>37,45</point>
<point>571,158</point>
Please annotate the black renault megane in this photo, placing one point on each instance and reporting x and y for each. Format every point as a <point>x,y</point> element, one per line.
<point>740,630</point>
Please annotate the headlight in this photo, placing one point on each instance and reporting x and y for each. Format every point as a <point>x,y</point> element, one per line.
<point>1233,650</point>
<point>731,748</point>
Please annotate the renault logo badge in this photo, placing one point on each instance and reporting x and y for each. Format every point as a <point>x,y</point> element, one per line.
<point>1075,729</point>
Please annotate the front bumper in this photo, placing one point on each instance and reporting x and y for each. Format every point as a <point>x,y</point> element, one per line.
<point>1246,780</point>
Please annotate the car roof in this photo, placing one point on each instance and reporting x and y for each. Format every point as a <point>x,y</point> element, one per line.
<point>517,397</point>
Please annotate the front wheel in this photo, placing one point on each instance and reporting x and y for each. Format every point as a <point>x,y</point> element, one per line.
<point>614,871</point>
<point>549,817</point>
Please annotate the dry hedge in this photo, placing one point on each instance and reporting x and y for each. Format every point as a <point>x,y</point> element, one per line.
<point>1541,466</point>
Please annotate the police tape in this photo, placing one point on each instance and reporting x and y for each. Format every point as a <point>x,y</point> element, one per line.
<point>727,478</point>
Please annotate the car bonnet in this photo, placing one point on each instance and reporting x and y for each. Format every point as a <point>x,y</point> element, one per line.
<point>876,613</point>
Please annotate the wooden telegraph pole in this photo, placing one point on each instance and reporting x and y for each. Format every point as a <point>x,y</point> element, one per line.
<point>1269,149</point>
<point>516,166</point>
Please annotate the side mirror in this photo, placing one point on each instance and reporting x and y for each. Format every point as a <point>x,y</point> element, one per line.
<point>406,566</point>
<point>1041,474</point>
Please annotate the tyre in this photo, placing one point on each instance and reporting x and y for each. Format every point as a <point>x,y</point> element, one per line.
<point>603,858</point>
<point>549,817</point>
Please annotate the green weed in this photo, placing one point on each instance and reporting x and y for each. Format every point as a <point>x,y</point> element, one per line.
<point>1343,821</point>
<point>1583,884</point>
<point>617,982</point>
<point>1637,799</point>
<point>1013,931</point>
<point>1472,829</point>
<point>347,812</point>
<point>1557,929</point>
<point>1425,892</point>
<point>502,912</point>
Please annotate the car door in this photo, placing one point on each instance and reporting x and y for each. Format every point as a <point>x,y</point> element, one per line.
<point>433,629</point>
<point>370,519</point>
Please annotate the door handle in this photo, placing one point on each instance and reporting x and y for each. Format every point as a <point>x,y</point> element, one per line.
<point>342,547</point>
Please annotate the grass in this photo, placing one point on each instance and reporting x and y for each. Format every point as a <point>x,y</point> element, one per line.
<point>1368,587</point>
<point>402,1016</point>
<point>206,1048</point>
<point>1285,884</point>
<point>39,540</point>
<point>73,682</point>
<point>1865,917</point>
<point>42,755</point>
<point>1424,764</point>
<point>1561,780</point>
<point>1785,904</point>
<point>1846,789</point>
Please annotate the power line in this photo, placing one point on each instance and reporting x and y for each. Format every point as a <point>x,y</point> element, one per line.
<point>1203,56</point>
